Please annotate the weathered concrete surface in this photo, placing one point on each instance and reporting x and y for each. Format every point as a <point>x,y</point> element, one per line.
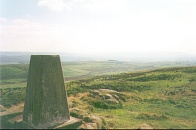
<point>46,99</point>
<point>73,123</point>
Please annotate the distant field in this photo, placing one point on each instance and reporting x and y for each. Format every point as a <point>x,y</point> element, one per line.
<point>81,70</point>
<point>14,73</point>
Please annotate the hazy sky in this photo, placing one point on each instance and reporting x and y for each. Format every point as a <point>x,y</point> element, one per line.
<point>98,26</point>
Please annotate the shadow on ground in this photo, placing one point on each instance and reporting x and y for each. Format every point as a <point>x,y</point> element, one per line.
<point>7,123</point>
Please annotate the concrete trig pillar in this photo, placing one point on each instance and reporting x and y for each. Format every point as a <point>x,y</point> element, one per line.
<point>46,99</point>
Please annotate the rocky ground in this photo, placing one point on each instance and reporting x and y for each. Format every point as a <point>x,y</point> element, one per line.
<point>80,118</point>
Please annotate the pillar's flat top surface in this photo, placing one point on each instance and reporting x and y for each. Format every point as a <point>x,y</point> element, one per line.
<point>45,55</point>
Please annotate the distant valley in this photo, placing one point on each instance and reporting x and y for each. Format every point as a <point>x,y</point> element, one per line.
<point>24,57</point>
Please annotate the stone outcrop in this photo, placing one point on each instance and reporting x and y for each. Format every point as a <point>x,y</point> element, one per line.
<point>108,95</point>
<point>89,121</point>
<point>93,122</point>
<point>106,99</point>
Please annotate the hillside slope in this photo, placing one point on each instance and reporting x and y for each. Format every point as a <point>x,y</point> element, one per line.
<point>162,98</point>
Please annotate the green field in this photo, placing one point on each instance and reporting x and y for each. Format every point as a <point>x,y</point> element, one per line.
<point>160,98</point>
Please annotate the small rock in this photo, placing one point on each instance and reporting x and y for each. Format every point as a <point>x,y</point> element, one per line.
<point>91,126</point>
<point>102,97</point>
<point>108,96</point>
<point>94,122</point>
<point>116,97</point>
<point>112,101</point>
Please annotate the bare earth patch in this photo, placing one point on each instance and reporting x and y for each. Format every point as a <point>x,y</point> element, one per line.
<point>13,109</point>
<point>145,126</point>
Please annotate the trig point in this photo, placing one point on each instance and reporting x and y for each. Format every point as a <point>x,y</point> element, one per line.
<point>46,99</point>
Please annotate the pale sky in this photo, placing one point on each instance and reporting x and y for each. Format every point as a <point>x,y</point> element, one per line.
<point>98,26</point>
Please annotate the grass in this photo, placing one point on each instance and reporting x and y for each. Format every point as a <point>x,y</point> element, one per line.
<point>165,99</point>
<point>161,98</point>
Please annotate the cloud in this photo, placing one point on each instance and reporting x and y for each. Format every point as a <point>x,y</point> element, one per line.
<point>56,5</point>
<point>100,36</point>
<point>24,35</point>
<point>106,6</point>
<point>28,35</point>
<point>3,20</point>
<point>64,5</point>
<point>103,25</point>
<point>91,6</point>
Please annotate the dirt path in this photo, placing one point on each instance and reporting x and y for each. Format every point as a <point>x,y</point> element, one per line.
<point>13,109</point>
